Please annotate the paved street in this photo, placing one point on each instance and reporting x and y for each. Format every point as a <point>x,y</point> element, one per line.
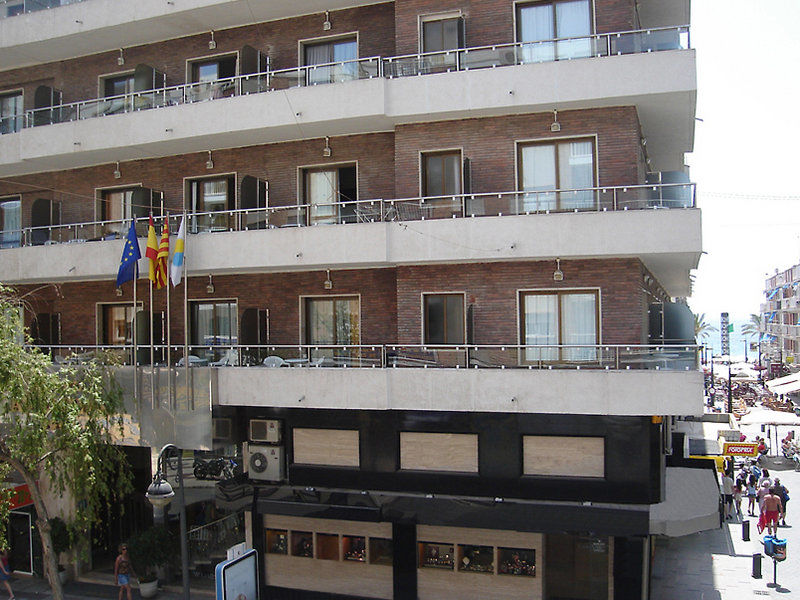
<point>717,565</point>
<point>33,588</point>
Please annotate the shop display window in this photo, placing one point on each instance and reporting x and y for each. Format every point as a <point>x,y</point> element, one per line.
<point>328,546</point>
<point>476,559</point>
<point>380,551</point>
<point>516,561</point>
<point>354,547</point>
<point>302,544</point>
<point>277,541</point>
<point>436,555</point>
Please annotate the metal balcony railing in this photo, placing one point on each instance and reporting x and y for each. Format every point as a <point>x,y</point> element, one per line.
<point>423,356</point>
<point>595,199</point>
<point>463,59</point>
<point>12,8</point>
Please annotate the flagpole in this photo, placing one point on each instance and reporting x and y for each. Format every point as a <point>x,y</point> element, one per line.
<point>189,405</point>
<point>169,338</point>
<point>133,333</point>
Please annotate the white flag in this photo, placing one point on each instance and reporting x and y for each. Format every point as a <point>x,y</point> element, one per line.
<point>176,269</point>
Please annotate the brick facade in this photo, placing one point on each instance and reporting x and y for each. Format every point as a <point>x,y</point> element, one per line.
<point>390,299</point>
<point>387,163</point>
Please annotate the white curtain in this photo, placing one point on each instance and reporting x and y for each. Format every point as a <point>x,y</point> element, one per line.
<point>579,326</point>
<point>573,19</point>
<point>10,224</point>
<point>538,175</point>
<point>541,326</point>
<point>576,172</point>
<point>321,187</point>
<point>535,25</point>
<point>318,55</point>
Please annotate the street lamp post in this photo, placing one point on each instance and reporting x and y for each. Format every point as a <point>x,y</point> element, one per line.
<point>160,494</point>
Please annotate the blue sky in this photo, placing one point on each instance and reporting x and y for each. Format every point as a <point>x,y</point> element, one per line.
<point>745,161</point>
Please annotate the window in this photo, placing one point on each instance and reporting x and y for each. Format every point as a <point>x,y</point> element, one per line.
<point>118,85</point>
<point>441,173</point>
<point>210,70</point>
<point>444,318</point>
<point>211,200</point>
<point>341,51</point>
<point>576,566</point>
<point>561,165</point>
<point>116,325</point>
<point>541,22</point>
<point>10,222</point>
<point>213,324</point>
<point>11,112</point>
<point>206,74</point>
<point>567,318</point>
<point>436,555</point>
<point>442,34</point>
<point>330,193</point>
<point>116,206</point>
<point>332,321</point>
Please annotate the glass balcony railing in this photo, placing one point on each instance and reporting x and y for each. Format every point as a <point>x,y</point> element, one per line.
<point>463,59</point>
<point>392,356</point>
<point>12,8</point>
<point>596,199</point>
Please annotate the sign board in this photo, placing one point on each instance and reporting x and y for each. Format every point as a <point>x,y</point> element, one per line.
<point>740,449</point>
<point>20,496</point>
<point>237,579</point>
<point>724,332</point>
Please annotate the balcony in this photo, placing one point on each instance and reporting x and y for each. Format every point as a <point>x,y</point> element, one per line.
<point>605,379</point>
<point>588,223</point>
<point>101,25</point>
<point>653,70</point>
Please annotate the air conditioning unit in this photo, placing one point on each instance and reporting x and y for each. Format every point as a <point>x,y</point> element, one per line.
<point>264,463</point>
<point>221,428</point>
<point>265,430</point>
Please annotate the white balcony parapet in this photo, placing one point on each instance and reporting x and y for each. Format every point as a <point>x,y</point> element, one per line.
<point>427,231</point>
<point>603,379</point>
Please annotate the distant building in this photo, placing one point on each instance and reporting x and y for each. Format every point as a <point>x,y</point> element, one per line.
<point>779,316</point>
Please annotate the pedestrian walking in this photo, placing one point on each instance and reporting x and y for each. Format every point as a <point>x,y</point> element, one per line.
<point>5,572</point>
<point>727,495</point>
<point>783,493</point>
<point>123,570</point>
<point>773,510</point>
<point>738,487</point>
<point>751,494</point>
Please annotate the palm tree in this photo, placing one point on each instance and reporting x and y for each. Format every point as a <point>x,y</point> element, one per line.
<point>753,327</point>
<point>702,329</point>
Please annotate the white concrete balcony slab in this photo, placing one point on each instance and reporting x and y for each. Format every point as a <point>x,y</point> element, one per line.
<point>661,85</point>
<point>593,392</point>
<point>668,241</point>
<point>95,26</point>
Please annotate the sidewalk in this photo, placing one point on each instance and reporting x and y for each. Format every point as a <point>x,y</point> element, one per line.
<point>717,564</point>
<point>34,588</point>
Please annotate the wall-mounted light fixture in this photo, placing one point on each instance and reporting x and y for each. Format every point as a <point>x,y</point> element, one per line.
<point>558,274</point>
<point>326,24</point>
<point>211,43</point>
<point>209,162</point>
<point>121,58</point>
<point>210,286</point>
<point>117,172</point>
<point>328,284</point>
<point>326,151</point>
<point>555,126</point>
<point>119,292</point>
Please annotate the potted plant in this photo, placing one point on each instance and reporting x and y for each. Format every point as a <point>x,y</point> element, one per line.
<point>151,550</point>
<point>62,542</point>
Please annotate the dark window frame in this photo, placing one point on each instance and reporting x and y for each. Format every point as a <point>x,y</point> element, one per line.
<point>426,318</point>
<point>424,167</point>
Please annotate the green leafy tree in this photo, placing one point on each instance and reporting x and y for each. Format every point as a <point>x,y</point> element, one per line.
<point>56,426</point>
<point>752,328</point>
<point>702,329</point>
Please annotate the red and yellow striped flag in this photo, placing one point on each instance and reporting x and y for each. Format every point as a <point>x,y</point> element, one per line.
<point>163,257</point>
<point>152,250</point>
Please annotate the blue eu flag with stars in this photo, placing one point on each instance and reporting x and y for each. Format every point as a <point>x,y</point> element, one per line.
<point>130,255</point>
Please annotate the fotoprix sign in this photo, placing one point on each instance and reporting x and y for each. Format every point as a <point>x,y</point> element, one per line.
<point>740,449</point>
